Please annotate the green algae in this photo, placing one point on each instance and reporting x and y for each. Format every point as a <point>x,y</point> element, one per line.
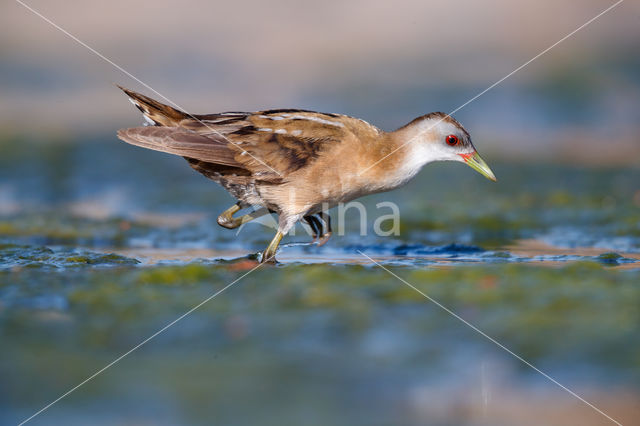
<point>55,227</point>
<point>175,275</point>
<point>20,256</point>
<point>609,258</point>
<point>521,296</point>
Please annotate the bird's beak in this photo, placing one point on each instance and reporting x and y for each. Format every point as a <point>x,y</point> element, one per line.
<point>476,162</point>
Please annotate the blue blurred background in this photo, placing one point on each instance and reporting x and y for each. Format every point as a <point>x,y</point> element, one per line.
<point>102,243</point>
<point>381,61</point>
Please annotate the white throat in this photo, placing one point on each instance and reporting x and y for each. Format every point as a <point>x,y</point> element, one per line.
<point>420,154</point>
<point>420,151</point>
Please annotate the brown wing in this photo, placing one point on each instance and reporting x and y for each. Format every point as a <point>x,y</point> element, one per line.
<point>266,145</point>
<point>209,152</point>
<point>178,141</point>
<point>284,140</point>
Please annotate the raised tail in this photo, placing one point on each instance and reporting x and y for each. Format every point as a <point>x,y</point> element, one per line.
<point>155,113</point>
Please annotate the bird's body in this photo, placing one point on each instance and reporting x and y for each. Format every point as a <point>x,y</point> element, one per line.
<point>295,163</point>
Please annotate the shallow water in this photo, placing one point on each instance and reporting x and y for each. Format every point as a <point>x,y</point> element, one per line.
<point>102,245</point>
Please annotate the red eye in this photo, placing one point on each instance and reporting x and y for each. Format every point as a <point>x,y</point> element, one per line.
<point>452,140</point>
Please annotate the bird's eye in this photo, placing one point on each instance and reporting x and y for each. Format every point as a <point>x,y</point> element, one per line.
<point>452,140</point>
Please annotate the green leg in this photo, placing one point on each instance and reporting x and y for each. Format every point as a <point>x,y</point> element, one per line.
<point>269,254</point>
<point>227,220</point>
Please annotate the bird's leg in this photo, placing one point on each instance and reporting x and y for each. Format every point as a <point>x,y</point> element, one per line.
<point>227,220</point>
<point>326,232</point>
<point>269,255</point>
<point>285,223</point>
<point>315,224</point>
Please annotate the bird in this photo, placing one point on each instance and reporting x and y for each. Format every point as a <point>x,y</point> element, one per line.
<point>298,163</point>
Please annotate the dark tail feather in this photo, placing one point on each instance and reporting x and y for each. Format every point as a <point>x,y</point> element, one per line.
<point>156,113</point>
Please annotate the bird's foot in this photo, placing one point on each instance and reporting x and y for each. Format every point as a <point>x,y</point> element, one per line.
<point>269,255</point>
<point>266,257</point>
<point>323,239</point>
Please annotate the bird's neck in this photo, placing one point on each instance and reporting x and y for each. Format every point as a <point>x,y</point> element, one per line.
<point>398,158</point>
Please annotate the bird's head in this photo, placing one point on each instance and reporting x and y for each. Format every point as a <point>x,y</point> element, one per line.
<point>440,137</point>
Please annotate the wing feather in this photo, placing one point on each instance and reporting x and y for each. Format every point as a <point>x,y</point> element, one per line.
<point>178,141</point>
<point>269,145</point>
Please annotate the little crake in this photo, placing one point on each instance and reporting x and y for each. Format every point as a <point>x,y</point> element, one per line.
<point>299,163</point>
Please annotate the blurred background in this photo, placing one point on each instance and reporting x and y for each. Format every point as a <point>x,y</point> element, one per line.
<point>102,243</point>
<point>384,62</point>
